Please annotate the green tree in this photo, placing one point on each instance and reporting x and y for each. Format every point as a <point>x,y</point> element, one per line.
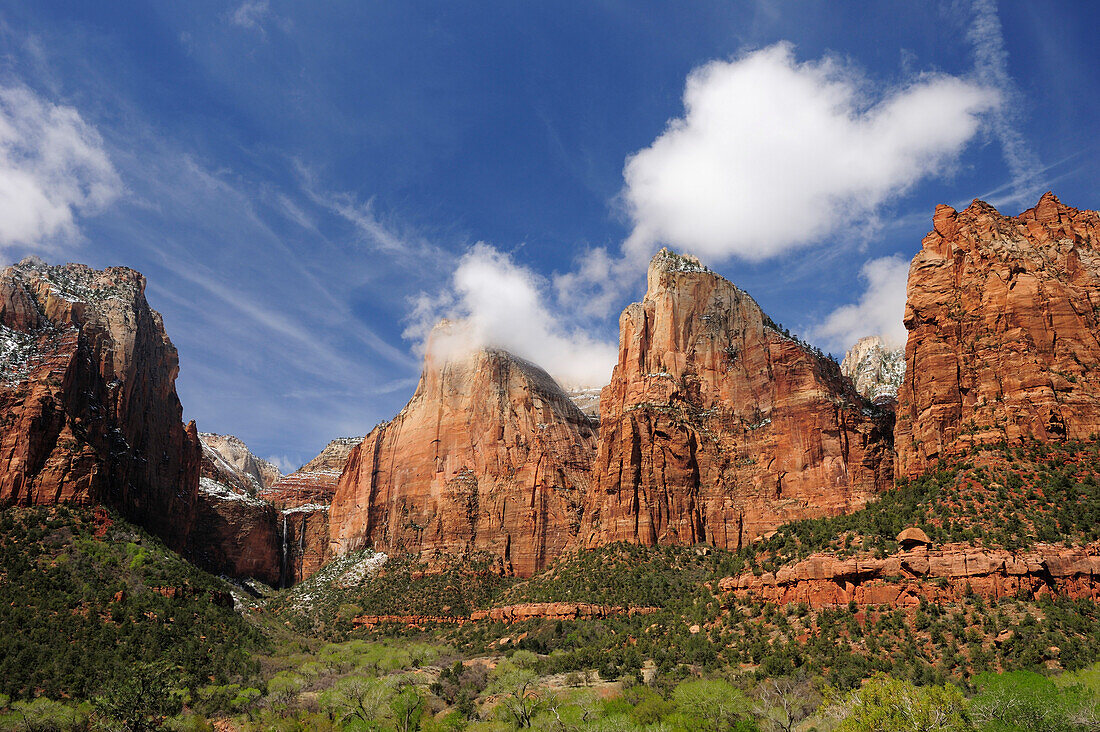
<point>885,704</point>
<point>140,701</point>
<point>1023,700</point>
<point>407,706</point>
<point>710,704</point>
<point>360,700</point>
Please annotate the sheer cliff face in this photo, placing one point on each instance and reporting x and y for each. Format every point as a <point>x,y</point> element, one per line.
<point>88,400</point>
<point>717,428</point>
<point>1003,316</point>
<point>489,455</point>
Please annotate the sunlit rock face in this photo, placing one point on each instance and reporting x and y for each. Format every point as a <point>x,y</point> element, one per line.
<point>489,455</point>
<point>88,400</point>
<point>717,427</point>
<point>875,369</point>
<point>1003,315</point>
<point>259,473</point>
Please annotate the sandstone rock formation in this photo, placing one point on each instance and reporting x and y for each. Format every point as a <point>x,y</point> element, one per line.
<point>236,534</point>
<point>303,499</point>
<point>489,455</point>
<point>875,369</point>
<point>305,534</point>
<point>1003,316</point>
<point>587,400</point>
<point>510,614</point>
<point>88,402</point>
<point>944,575</point>
<point>259,472</point>
<point>717,427</point>
<point>315,482</point>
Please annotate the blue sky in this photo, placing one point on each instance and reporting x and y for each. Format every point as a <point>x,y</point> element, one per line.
<point>309,186</point>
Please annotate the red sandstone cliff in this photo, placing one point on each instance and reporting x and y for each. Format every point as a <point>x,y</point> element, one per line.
<point>1003,316</point>
<point>88,403</point>
<point>303,499</point>
<point>315,482</point>
<point>716,427</point>
<point>947,574</point>
<point>489,455</point>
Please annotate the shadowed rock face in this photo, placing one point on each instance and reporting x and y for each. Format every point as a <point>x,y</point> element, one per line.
<point>1003,316</point>
<point>717,428</point>
<point>88,402</point>
<point>489,455</point>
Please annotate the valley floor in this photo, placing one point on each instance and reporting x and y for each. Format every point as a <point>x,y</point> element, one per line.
<point>102,627</point>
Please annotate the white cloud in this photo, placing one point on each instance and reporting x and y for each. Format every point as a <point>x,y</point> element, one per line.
<point>879,311</point>
<point>772,154</point>
<point>53,166</point>
<point>991,68</point>
<point>250,14</point>
<point>494,302</point>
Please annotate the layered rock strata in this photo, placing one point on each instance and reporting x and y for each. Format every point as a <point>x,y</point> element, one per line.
<point>717,427</point>
<point>1003,316</point>
<point>511,614</point>
<point>231,450</point>
<point>315,482</point>
<point>947,574</point>
<point>88,401</point>
<point>489,455</point>
<point>875,369</point>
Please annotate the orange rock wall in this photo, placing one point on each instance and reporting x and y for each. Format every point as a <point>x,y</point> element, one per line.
<point>943,575</point>
<point>489,455</point>
<point>1003,316</point>
<point>717,428</point>
<point>89,411</point>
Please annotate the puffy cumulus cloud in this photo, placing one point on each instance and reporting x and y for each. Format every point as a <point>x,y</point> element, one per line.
<point>879,311</point>
<point>495,302</point>
<point>772,154</point>
<point>52,166</point>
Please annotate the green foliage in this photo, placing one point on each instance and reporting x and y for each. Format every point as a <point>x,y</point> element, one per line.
<point>886,704</point>
<point>710,705</point>
<point>141,700</point>
<point>1023,701</point>
<point>86,597</point>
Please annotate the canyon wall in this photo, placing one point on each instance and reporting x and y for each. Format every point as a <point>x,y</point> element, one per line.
<point>717,427</point>
<point>1003,316</point>
<point>489,455</point>
<point>88,404</point>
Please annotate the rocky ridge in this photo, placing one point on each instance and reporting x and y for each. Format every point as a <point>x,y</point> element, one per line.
<point>488,455</point>
<point>1003,315</point>
<point>717,427</point>
<point>259,473</point>
<point>947,574</point>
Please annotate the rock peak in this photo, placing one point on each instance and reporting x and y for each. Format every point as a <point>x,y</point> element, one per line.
<point>1002,325</point>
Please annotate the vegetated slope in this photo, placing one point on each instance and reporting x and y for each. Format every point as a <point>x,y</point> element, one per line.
<point>366,582</point>
<point>1053,495</point>
<point>84,595</point>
